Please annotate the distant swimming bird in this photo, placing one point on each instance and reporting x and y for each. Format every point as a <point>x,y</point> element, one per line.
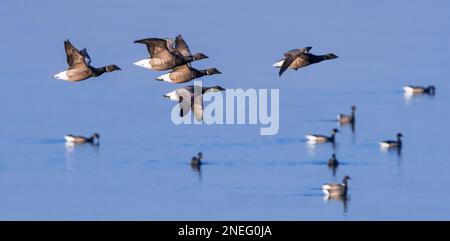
<point>336,189</point>
<point>333,162</point>
<point>322,138</point>
<point>79,65</point>
<point>346,119</point>
<point>191,97</point>
<point>197,160</point>
<point>411,89</point>
<point>392,143</point>
<point>95,138</point>
<point>163,58</point>
<point>299,58</point>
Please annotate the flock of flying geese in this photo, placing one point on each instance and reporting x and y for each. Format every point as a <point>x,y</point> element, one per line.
<point>174,55</point>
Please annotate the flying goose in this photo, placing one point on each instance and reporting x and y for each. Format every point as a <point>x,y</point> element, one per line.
<point>163,58</point>
<point>79,65</point>
<point>299,58</point>
<point>346,119</point>
<point>185,73</point>
<point>411,89</point>
<point>322,138</point>
<point>191,97</point>
<point>197,160</point>
<point>392,143</point>
<point>95,138</point>
<point>336,189</point>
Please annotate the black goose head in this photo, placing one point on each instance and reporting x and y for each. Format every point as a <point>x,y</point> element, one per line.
<point>334,131</point>
<point>333,156</point>
<point>200,155</point>
<point>112,67</point>
<point>199,56</point>
<point>353,108</point>
<point>331,56</point>
<point>212,71</point>
<point>346,178</point>
<point>431,89</point>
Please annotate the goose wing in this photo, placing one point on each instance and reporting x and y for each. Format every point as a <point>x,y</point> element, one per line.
<point>181,46</point>
<point>186,100</point>
<point>290,58</point>
<point>74,57</point>
<point>197,107</point>
<point>87,58</point>
<point>298,51</point>
<point>156,47</point>
<point>182,68</point>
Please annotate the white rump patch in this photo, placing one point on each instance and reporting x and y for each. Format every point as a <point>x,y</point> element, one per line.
<point>144,63</point>
<point>408,89</point>
<point>278,64</point>
<point>69,138</point>
<point>165,77</point>
<point>384,145</point>
<point>311,138</point>
<point>61,75</point>
<point>173,95</point>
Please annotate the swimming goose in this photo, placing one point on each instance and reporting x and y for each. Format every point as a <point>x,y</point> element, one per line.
<point>322,138</point>
<point>161,58</point>
<point>197,160</point>
<point>95,138</point>
<point>346,119</point>
<point>79,65</point>
<point>336,189</point>
<point>392,143</point>
<point>333,162</point>
<point>299,58</point>
<point>411,89</point>
<point>191,97</point>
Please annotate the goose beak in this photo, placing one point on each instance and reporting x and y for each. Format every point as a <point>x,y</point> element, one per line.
<point>166,96</point>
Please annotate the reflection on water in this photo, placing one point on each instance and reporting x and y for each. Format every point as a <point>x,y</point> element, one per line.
<point>72,149</point>
<point>339,199</point>
<point>198,170</point>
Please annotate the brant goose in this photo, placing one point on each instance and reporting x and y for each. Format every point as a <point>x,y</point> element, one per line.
<point>322,138</point>
<point>191,97</point>
<point>410,89</point>
<point>392,143</point>
<point>95,138</point>
<point>347,119</point>
<point>161,58</point>
<point>299,58</point>
<point>197,160</point>
<point>185,73</point>
<point>336,189</point>
<point>79,65</point>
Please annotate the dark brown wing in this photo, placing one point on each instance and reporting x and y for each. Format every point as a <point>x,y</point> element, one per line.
<point>299,59</point>
<point>74,57</point>
<point>156,47</point>
<point>287,62</point>
<point>181,46</point>
<point>182,68</point>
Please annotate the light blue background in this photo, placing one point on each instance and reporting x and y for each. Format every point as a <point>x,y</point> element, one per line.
<point>141,171</point>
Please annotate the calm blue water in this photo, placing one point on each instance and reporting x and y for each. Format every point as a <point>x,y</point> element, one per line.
<point>141,168</point>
